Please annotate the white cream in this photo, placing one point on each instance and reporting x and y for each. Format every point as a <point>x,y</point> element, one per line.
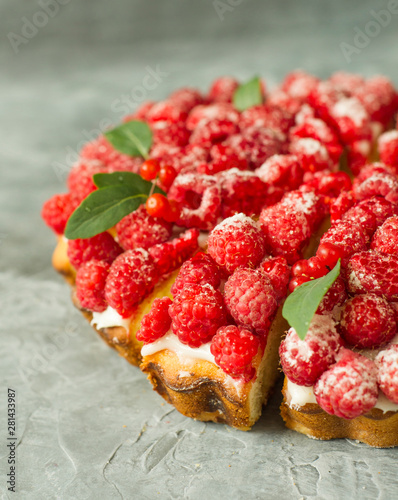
<point>110,317</point>
<point>301,395</point>
<point>186,354</point>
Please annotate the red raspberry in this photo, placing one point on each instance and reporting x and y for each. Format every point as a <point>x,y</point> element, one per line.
<point>330,184</point>
<point>258,144</point>
<point>335,296</point>
<point>200,198</point>
<point>99,247</point>
<point>199,269</point>
<point>166,111</point>
<point>250,298</point>
<point>371,169</point>
<point>236,242</point>
<point>378,96</point>
<point>185,159</point>
<point>278,272</point>
<point>174,134</point>
<point>212,132</point>
<point>217,111</point>
<point>299,84</point>
<point>340,205</point>
<point>224,158</point>
<point>286,231</point>
<point>385,239</point>
<point>100,149</point>
<point>196,313</point>
<point>139,229</point>
<point>304,361</point>
<point>308,203</point>
<point>387,365</point>
<point>348,388</point>
<point>283,171</point>
<point>373,272</point>
<point>348,237</point>
<point>312,155</point>
<point>347,82</point>
<point>234,349</point>
<point>186,98</point>
<point>170,255</point>
<point>244,192</point>
<point>266,115</point>
<point>351,120</point>
<point>367,321</point>
<point>284,101</point>
<point>385,185</point>
<point>131,277</point>
<point>140,113</point>
<point>223,89</point>
<point>317,129</point>
<point>90,285</point>
<point>80,178</point>
<point>388,148</point>
<point>156,323</point>
<point>322,98</point>
<point>57,210</point>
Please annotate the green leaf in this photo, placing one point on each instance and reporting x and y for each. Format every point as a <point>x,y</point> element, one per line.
<point>130,179</point>
<point>301,305</point>
<point>132,138</point>
<point>248,95</point>
<point>101,210</point>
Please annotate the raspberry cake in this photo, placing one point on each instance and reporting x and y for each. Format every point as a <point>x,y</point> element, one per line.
<point>185,228</point>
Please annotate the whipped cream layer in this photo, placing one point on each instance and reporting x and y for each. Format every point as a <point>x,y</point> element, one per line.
<point>108,318</point>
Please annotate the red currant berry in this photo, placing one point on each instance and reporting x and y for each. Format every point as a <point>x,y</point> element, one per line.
<point>157,205</point>
<point>149,169</point>
<point>300,268</point>
<point>295,282</point>
<point>167,174</point>
<point>173,211</point>
<point>328,254</point>
<point>316,268</point>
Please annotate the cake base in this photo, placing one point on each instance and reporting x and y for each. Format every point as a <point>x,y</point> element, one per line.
<point>375,428</point>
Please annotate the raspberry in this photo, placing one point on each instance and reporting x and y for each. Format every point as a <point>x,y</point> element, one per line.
<point>330,184</point>
<point>281,170</point>
<point>131,277</point>
<point>308,203</point>
<point>267,115</point>
<point>219,111</point>
<point>234,349</point>
<point>156,323</point>
<point>223,89</point>
<point>385,239</point>
<point>244,192</point>
<point>250,298</point>
<point>199,269</point>
<point>90,285</point>
<point>322,98</point>
<point>351,120</point>
<point>304,361</point>
<point>139,229</point>
<point>299,84</point>
<point>80,178</point>
<point>286,231</point>
<point>357,155</point>
<point>170,255</point>
<point>379,184</point>
<point>186,98</point>
<point>388,148</point>
<point>224,158</point>
<point>174,134</point>
<point>284,101</point>
<point>378,96</point>
<point>200,198</point>
<point>166,111</point>
<point>370,169</point>
<point>387,365</point>
<point>317,129</point>
<point>185,159</point>
<point>236,242</point>
<point>57,210</point>
<point>348,388</point>
<point>99,247</point>
<point>278,272</point>
<point>212,132</point>
<point>312,155</point>
<point>347,82</point>
<point>100,149</point>
<point>340,205</point>
<point>258,144</point>
<point>371,213</point>
<point>196,313</point>
<point>335,296</point>
<point>373,272</point>
<point>348,237</point>
<point>367,321</point>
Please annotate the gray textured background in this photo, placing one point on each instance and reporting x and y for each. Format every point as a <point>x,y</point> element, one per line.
<point>89,425</point>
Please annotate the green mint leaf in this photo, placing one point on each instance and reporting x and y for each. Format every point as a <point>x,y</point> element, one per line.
<point>101,210</point>
<point>134,181</point>
<point>248,95</point>
<point>301,305</point>
<point>132,138</point>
